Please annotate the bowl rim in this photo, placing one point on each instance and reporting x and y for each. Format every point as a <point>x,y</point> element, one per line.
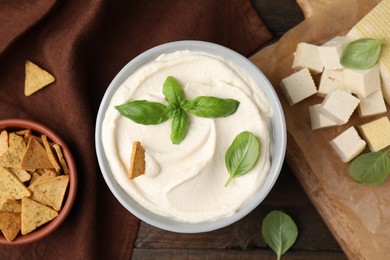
<point>19,123</point>
<point>278,130</point>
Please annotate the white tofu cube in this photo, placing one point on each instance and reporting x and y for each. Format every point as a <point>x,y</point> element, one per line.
<point>339,105</point>
<point>298,86</point>
<point>318,120</point>
<point>376,133</point>
<point>362,82</point>
<point>307,56</point>
<point>330,80</point>
<point>330,52</point>
<point>373,104</point>
<point>348,144</point>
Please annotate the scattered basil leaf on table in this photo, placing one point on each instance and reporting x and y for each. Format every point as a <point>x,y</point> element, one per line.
<point>179,127</point>
<point>211,107</point>
<point>143,112</point>
<point>371,168</point>
<point>242,155</point>
<point>279,232</point>
<point>361,54</point>
<point>152,113</point>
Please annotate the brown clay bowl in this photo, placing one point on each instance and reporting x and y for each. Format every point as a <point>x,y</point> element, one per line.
<point>37,128</point>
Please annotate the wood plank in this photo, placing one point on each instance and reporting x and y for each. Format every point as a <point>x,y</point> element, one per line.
<point>279,15</point>
<point>190,254</point>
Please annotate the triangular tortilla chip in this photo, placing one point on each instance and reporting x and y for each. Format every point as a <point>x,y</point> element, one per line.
<point>35,156</point>
<point>34,177</point>
<point>61,158</point>
<point>50,154</point>
<point>12,157</point>
<point>36,78</point>
<point>137,161</point>
<point>3,142</point>
<point>24,132</point>
<point>11,205</point>
<point>43,177</point>
<point>11,187</point>
<point>10,224</point>
<point>50,192</point>
<point>35,214</point>
<point>22,175</point>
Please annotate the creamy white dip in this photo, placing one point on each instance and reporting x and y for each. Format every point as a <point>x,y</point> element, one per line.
<point>186,181</point>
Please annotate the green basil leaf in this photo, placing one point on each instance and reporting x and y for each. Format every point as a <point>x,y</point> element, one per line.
<point>361,54</point>
<point>173,90</point>
<point>211,107</point>
<point>143,112</point>
<point>179,127</point>
<point>242,155</point>
<point>279,232</point>
<point>371,168</point>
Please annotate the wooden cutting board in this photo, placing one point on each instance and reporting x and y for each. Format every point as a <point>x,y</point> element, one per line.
<point>357,215</point>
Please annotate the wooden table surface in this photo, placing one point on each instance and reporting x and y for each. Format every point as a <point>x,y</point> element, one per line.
<point>243,240</point>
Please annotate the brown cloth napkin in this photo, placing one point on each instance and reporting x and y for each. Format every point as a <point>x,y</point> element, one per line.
<point>84,44</point>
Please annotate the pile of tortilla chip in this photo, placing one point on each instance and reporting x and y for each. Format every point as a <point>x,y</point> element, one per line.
<point>34,178</point>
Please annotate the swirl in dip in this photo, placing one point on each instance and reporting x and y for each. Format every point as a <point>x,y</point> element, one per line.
<point>186,181</point>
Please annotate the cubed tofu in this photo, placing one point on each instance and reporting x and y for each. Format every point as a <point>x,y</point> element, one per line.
<point>330,52</point>
<point>298,86</point>
<point>362,82</point>
<point>373,104</point>
<point>339,105</point>
<point>307,56</point>
<point>348,144</point>
<point>318,120</point>
<point>330,80</point>
<point>376,133</point>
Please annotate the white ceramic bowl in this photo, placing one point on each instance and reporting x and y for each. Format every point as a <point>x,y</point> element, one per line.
<point>278,128</point>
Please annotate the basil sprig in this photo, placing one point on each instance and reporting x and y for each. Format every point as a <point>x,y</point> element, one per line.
<point>371,168</point>
<point>361,54</point>
<point>279,232</point>
<point>242,155</point>
<point>152,113</point>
